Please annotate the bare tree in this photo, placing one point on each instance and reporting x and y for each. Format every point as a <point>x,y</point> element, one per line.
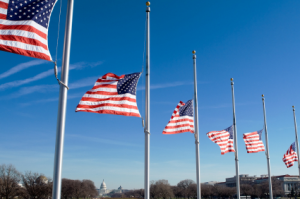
<point>184,185</point>
<point>206,190</point>
<point>276,187</point>
<point>163,189</point>
<point>9,179</point>
<point>36,186</point>
<point>246,189</point>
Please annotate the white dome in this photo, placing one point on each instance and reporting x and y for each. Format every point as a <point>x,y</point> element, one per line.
<point>103,185</point>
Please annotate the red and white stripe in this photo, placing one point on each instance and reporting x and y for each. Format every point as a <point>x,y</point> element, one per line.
<point>221,138</point>
<point>179,124</point>
<point>104,98</point>
<point>253,144</point>
<point>290,157</point>
<point>24,37</point>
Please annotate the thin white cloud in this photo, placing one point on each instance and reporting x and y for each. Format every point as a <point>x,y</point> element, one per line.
<point>100,140</point>
<point>89,81</point>
<point>21,67</point>
<point>165,85</point>
<point>45,74</point>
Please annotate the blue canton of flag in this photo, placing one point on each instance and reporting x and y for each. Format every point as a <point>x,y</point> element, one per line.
<point>259,133</point>
<point>24,27</point>
<point>187,109</point>
<point>36,10</point>
<point>230,131</point>
<point>128,84</point>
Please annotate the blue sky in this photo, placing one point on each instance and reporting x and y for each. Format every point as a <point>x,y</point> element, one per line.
<point>256,43</point>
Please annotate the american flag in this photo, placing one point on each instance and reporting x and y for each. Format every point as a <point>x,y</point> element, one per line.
<point>112,94</point>
<point>290,156</point>
<point>182,119</point>
<point>253,142</point>
<point>223,138</point>
<point>24,27</point>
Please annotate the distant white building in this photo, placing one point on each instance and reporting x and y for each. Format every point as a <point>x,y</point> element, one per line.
<point>103,190</point>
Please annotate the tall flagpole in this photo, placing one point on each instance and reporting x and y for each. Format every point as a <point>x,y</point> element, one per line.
<point>267,152</point>
<point>147,109</point>
<point>196,133</point>
<point>296,133</point>
<point>235,145</point>
<point>62,105</point>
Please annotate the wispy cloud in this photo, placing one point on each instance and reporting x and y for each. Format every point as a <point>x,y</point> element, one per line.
<point>53,99</point>
<point>89,81</point>
<point>21,67</point>
<point>45,74</point>
<point>100,140</point>
<point>165,85</point>
<point>26,81</point>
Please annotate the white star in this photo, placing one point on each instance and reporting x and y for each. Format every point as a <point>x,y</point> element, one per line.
<point>11,9</point>
<point>13,2</point>
<point>37,10</point>
<point>20,17</point>
<point>25,8</point>
<point>16,13</point>
<point>33,13</point>
<point>28,10</point>
<point>10,15</point>
<point>24,13</point>
<point>28,16</point>
<point>33,7</point>
<point>21,4</point>
<point>16,6</point>
<point>38,5</point>
<point>20,10</point>
<point>41,20</point>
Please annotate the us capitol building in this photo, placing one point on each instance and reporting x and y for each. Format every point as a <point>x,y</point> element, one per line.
<point>104,191</point>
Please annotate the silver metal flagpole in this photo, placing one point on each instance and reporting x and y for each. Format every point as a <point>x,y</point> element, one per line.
<point>61,116</point>
<point>296,133</point>
<point>147,108</point>
<point>267,151</point>
<point>235,145</point>
<point>196,133</point>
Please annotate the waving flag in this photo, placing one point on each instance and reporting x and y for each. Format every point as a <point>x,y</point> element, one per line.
<point>290,156</point>
<point>24,27</point>
<point>112,94</point>
<point>182,119</point>
<point>253,142</point>
<point>223,138</point>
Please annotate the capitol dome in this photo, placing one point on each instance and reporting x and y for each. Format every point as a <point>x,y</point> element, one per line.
<point>103,186</point>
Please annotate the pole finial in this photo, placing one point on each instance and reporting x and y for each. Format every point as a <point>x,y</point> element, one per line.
<point>231,79</point>
<point>194,52</point>
<point>293,106</point>
<point>263,95</point>
<point>148,3</point>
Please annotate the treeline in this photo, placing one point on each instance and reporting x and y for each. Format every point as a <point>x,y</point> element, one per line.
<point>188,189</point>
<point>34,185</point>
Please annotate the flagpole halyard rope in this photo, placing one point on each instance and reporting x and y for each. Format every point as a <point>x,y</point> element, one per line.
<point>55,62</point>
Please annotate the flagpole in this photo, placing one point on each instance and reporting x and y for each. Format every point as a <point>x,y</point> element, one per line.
<point>267,152</point>
<point>196,132</point>
<point>235,144</point>
<point>62,105</point>
<point>147,108</point>
<point>296,133</point>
